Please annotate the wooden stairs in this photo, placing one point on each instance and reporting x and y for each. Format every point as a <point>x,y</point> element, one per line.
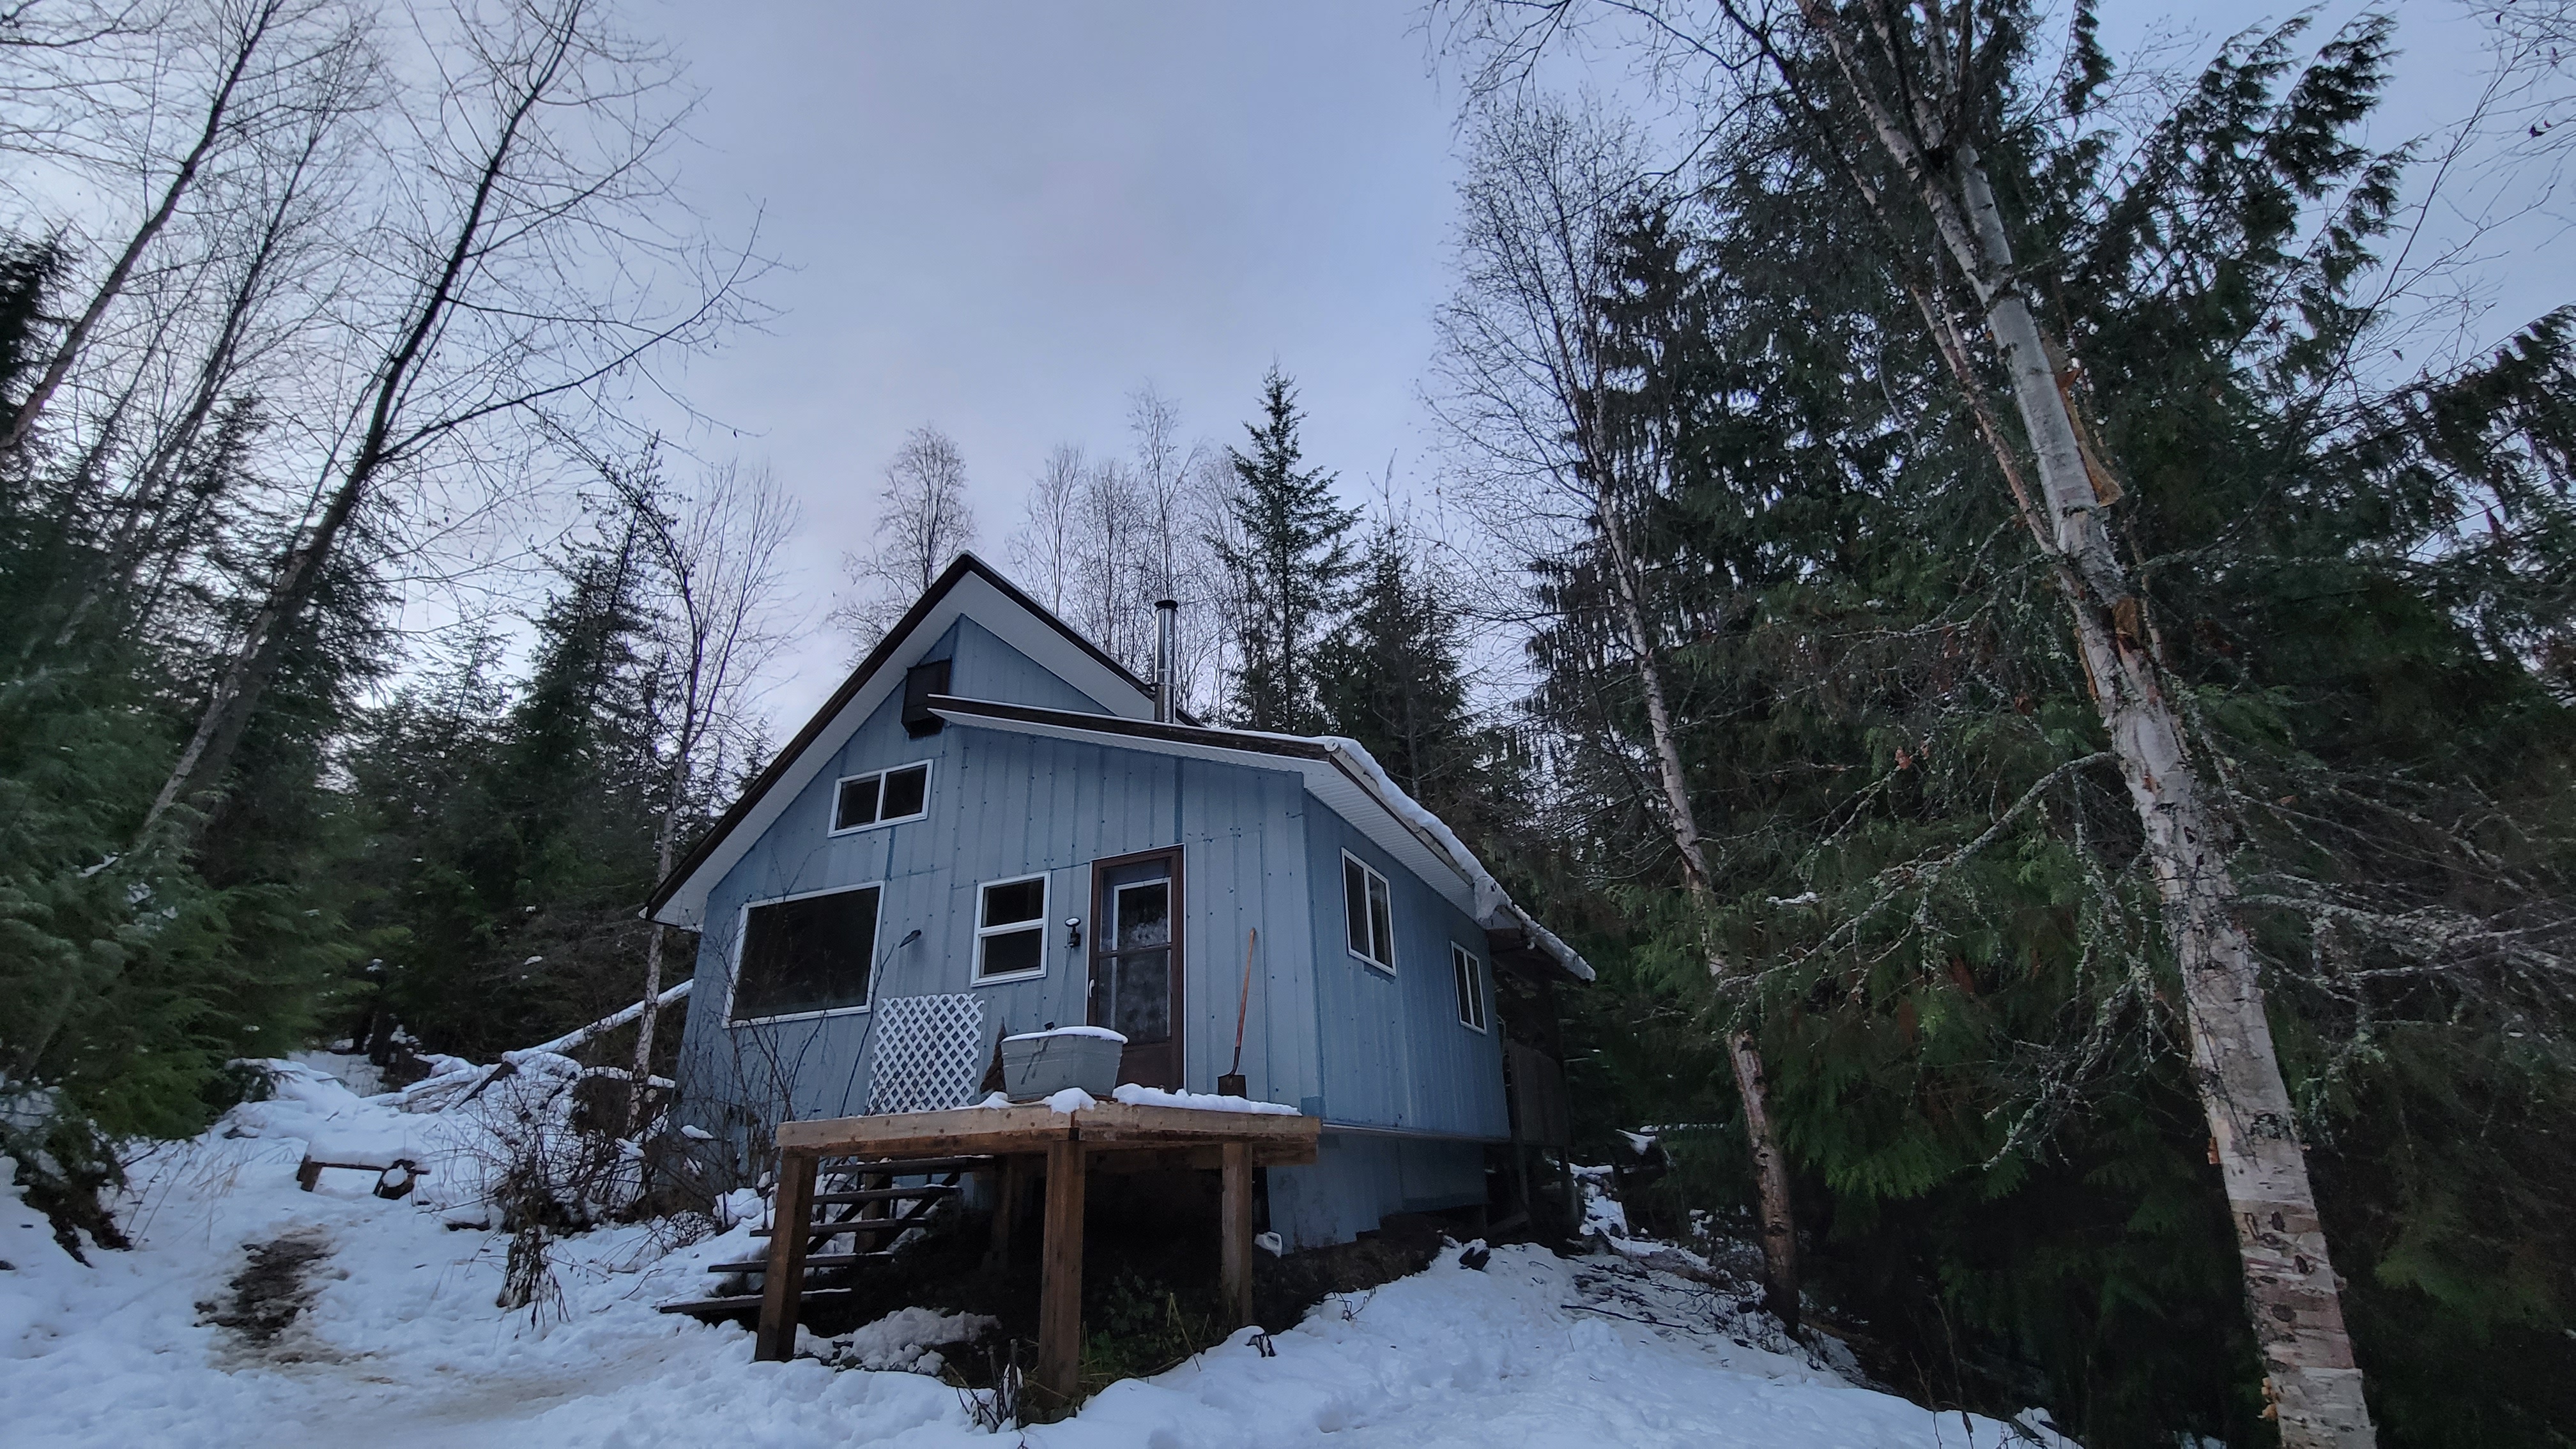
<point>863,1205</point>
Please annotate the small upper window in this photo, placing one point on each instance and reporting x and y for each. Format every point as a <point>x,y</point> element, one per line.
<point>1010,928</point>
<point>883,798</point>
<point>1471,985</point>
<point>1368,913</point>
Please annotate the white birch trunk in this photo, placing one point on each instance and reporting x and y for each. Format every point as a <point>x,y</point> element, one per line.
<point>2291,1289</point>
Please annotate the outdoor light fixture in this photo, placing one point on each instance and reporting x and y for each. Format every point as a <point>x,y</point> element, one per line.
<point>1073,933</point>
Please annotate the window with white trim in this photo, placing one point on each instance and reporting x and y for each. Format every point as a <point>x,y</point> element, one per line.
<point>862,802</point>
<point>1368,913</point>
<point>1010,929</point>
<point>1471,985</point>
<point>805,954</point>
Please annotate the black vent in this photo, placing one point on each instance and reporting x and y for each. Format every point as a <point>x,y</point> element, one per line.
<point>920,682</point>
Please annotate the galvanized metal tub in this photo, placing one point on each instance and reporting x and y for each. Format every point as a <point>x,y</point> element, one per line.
<point>1042,1063</point>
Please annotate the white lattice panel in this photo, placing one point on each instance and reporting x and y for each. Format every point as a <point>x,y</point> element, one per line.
<point>929,1053</point>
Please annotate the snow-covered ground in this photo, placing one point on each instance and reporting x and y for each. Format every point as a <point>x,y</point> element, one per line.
<point>398,1341</point>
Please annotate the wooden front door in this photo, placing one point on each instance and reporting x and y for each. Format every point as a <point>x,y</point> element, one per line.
<point>1136,962</point>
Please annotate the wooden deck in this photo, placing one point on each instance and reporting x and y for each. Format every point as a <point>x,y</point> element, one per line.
<point>1063,1147</point>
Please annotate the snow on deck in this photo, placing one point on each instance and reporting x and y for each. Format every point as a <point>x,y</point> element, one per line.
<point>399,1343</point>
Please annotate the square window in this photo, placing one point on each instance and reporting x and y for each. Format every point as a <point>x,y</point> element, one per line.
<point>811,953</point>
<point>1010,928</point>
<point>881,798</point>
<point>907,792</point>
<point>1368,914</point>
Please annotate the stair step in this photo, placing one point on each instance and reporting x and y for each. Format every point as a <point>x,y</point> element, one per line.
<point>914,1167</point>
<point>740,1301</point>
<point>812,1260</point>
<point>884,1194</point>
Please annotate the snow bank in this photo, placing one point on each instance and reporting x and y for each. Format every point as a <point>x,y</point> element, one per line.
<point>397,1342</point>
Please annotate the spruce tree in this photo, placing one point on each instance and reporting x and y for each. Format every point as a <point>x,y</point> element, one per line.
<point>1390,678</point>
<point>1289,567</point>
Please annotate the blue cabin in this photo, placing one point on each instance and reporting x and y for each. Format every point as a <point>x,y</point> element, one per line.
<point>988,829</point>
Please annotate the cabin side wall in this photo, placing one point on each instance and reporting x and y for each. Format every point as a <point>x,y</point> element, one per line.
<point>1391,1055</point>
<point>1003,805</point>
<point>1394,1053</point>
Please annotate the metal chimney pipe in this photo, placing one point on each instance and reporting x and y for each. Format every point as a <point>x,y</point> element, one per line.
<point>1167,623</point>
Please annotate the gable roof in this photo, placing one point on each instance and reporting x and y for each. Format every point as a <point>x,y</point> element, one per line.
<point>968,586</point>
<point>1339,772</point>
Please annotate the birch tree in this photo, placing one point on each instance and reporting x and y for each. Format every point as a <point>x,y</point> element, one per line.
<point>1524,370</point>
<point>259,55</point>
<point>1045,549</point>
<point>718,558</point>
<point>535,250</point>
<point>923,521</point>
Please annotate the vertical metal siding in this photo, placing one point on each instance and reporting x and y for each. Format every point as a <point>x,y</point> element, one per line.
<point>1004,805</point>
<point>1393,1052</point>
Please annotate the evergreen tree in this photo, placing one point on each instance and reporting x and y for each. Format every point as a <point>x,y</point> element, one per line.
<point>1390,678</point>
<point>1289,567</point>
<point>1965,992</point>
<point>504,860</point>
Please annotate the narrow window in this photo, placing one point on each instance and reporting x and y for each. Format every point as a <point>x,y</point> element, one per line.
<point>1010,928</point>
<point>882,798</point>
<point>1471,985</point>
<point>808,953</point>
<point>1368,914</point>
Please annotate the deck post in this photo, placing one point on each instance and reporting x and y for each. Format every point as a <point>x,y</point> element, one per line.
<point>782,1285</point>
<point>1006,1210</point>
<point>1235,1228</point>
<point>1060,1291</point>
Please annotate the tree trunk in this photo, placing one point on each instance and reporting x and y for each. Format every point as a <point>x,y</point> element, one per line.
<point>22,422</point>
<point>640,1087</point>
<point>1752,1083</point>
<point>2291,1289</point>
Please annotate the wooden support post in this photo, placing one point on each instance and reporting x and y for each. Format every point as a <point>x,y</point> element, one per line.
<point>782,1287</point>
<point>1235,1228</point>
<point>1006,1210</point>
<point>1060,1292</point>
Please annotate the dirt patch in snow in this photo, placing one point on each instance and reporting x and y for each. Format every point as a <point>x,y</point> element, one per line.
<point>269,1294</point>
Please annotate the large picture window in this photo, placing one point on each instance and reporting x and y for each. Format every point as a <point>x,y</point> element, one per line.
<point>1010,929</point>
<point>1368,913</point>
<point>862,801</point>
<point>806,954</point>
<point>1471,985</point>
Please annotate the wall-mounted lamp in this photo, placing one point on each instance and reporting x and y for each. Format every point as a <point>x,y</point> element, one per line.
<point>908,940</point>
<point>1073,933</point>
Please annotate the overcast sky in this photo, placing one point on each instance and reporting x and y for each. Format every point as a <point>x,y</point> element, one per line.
<point>1001,218</point>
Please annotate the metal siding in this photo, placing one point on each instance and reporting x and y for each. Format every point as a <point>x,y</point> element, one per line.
<point>1004,805</point>
<point>987,668</point>
<point>1393,1051</point>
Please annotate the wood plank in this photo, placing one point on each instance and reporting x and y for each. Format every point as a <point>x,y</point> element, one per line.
<point>736,1303</point>
<point>960,1131</point>
<point>1234,1227</point>
<point>1059,1367</point>
<point>784,1278</point>
<point>1179,1126</point>
<point>812,1260</point>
